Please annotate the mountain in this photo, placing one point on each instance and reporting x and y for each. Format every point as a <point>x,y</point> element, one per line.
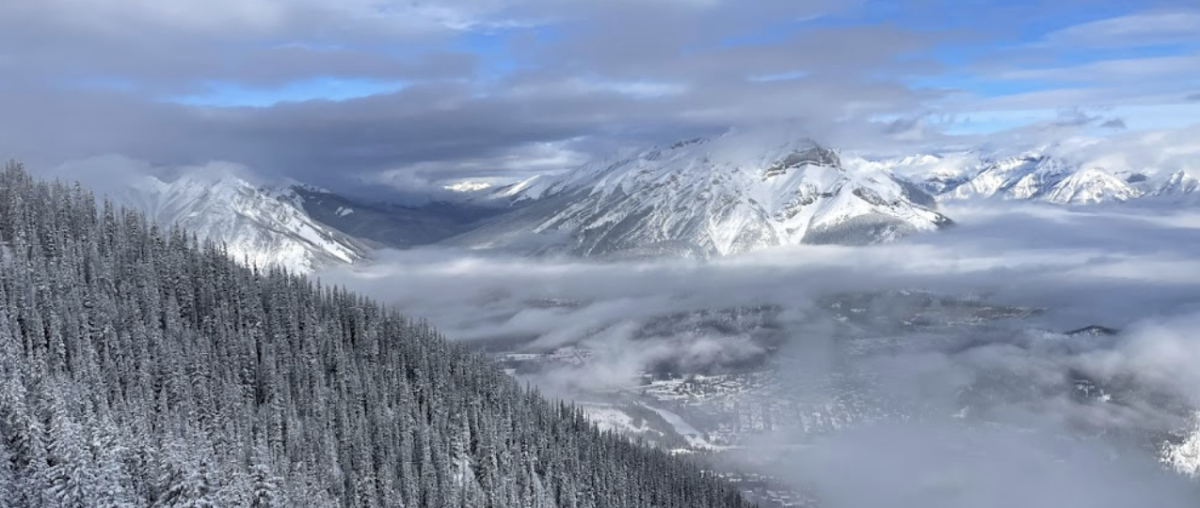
<point>1035,176</point>
<point>1043,178</point>
<point>1177,186</point>
<point>138,369</point>
<point>261,225</point>
<point>282,223</point>
<point>735,193</point>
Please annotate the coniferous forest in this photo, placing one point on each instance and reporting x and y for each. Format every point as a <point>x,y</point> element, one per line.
<point>140,367</point>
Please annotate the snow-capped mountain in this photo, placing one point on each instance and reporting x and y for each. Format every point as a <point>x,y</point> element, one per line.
<point>1177,185</point>
<point>1044,178</point>
<point>735,193</point>
<point>264,226</point>
<point>1034,176</point>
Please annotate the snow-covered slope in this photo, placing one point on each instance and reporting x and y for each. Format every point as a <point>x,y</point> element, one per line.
<point>1177,186</point>
<point>263,226</point>
<point>1184,457</point>
<point>1044,178</point>
<point>731,194</point>
<point>934,173</point>
<point>1034,176</point>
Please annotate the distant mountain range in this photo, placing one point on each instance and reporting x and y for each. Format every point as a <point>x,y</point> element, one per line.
<point>735,193</point>
<point>1037,176</point>
<point>738,192</point>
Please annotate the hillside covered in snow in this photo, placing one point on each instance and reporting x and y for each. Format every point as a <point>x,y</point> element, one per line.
<point>259,225</point>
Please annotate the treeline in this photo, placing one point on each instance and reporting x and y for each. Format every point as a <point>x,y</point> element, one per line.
<point>141,367</point>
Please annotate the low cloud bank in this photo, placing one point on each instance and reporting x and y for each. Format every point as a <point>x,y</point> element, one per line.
<point>1015,414</point>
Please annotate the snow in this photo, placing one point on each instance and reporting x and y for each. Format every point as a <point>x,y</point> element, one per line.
<point>1090,186</point>
<point>261,226</point>
<point>1178,184</point>
<point>530,188</point>
<point>694,437</point>
<point>467,186</point>
<point>609,418</point>
<point>343,211</point>
<point>1036,175</point>
<point>742,191</point>
<point>1184,458</point>
<point>938,169</point>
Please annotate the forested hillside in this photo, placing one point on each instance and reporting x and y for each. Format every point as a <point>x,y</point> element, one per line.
<point>139,368</point>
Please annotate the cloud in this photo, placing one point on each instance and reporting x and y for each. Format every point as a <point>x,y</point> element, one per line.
<point>1161,353</point>
<point>963,413</point>
<point>949,465</point>
<point>1085,275</point>
<point>122,178</point>
<point>1140,29</point>
<point>452,86</point>
<point>1122,70</point>
<point>1002,425</point>
<point>445,125</point>
<point>1114,123</point>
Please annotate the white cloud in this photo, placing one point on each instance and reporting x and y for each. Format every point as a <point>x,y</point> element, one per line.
<point>120,17</point>
<point>1110,267</point>
<point>581,86</point>
<point>1143,29</point>
<point>1108,71</point>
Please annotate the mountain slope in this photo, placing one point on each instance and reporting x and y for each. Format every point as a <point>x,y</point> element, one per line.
<point>262,226</point>
<point>736,193</point>
<point>1178,186</point>
<point>150,372</point>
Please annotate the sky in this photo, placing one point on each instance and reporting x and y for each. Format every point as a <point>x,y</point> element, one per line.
<point>379,91</point>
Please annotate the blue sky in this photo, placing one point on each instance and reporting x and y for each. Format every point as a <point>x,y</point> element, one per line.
<point>379,84</point>
<point>986,33</point>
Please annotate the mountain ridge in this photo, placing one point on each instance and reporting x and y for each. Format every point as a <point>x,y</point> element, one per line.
<point>717,196</point>
<point>260,225</point>
<point>701,197</point>
<point>1038,175</point>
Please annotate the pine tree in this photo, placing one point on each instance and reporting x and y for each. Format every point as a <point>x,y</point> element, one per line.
<point>71,479</point>
<point>266,491</point>
<point>8,479</point>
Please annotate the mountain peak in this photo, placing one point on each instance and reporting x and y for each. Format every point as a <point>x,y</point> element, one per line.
<point>815,156</point>
<point>741,191</point>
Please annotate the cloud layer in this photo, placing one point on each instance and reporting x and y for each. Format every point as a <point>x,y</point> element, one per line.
<point>322,91</point>
<point>986,416</point>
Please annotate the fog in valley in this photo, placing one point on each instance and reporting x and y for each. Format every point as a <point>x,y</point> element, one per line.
<point>936,371</point>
